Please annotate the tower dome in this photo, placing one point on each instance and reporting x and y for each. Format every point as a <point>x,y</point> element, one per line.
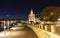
<point>31,11</point>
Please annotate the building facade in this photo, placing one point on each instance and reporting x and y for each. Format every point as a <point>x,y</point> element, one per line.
<point>32,17</point>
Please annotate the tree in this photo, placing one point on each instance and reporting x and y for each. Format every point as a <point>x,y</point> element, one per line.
<point>52,17</point>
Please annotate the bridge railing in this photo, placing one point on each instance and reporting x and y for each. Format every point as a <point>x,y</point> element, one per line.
<point>44,31</point>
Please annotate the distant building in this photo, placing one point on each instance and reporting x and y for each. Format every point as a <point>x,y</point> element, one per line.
<point>5,22</point>
<point>32,17</point>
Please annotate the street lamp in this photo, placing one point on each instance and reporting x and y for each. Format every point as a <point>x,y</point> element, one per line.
<point>58,19</point>
<point>7,17</point>
<point>4,27</point>
<point>8,23</point>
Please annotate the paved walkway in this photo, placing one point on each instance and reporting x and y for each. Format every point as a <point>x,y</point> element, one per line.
<point>23,32</point>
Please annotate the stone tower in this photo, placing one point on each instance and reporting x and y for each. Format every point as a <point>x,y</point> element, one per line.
<point>31,17</point>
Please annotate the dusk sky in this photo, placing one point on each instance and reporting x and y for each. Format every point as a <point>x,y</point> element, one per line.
<point>21,8</point>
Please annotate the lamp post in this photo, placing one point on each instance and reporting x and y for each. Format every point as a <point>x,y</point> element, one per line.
<point>8,23</point>
<point>4,27</point>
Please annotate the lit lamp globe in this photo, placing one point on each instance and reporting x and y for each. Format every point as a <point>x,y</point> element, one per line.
<point>58,19</point>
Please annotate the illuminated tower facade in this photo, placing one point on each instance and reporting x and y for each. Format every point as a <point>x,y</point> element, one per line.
<point>31,17</point>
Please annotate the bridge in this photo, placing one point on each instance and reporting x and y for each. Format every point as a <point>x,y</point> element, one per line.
<point>42,31</point>
<point>45,31</point>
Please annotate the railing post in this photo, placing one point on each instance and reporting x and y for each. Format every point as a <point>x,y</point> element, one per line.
<point>38,25</point>
<point>41,26</point>
<point>35,25</point>
<point>46,27</point>
<point>52,28</point>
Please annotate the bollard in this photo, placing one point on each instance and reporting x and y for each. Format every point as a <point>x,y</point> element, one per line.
<point>46,27</point>
<point>41,26</point>
<point>38,25</point>
<point>52,28</point>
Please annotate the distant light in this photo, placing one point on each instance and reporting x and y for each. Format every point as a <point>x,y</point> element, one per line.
<point>42,22</point>
<point>4,26</point>
<point>11,21</point>
<point>13,28</point>
<point>58,19</point>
